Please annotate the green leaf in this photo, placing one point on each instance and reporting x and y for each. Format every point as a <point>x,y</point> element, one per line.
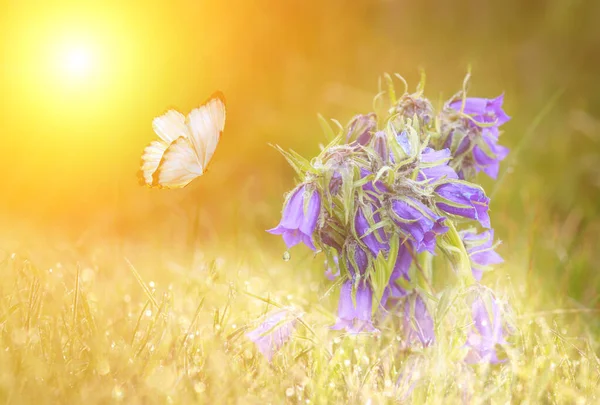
<point>334,142</point>
<point>394,248</point>
<point>347,192</point>
<point>298,163</point>
<point>327,130</point>
<point>459,255</point>
<point>421,85</point>
<point>390,88</point>
<point>382,270</point>
<point>446,301</point>
<point>380,276</point>
<point>403,80</point>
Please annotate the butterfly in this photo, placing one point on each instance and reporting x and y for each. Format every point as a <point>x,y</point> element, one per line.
<point>186,145</point>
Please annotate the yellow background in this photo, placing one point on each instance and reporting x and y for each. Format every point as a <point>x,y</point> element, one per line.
<point>71,144</point>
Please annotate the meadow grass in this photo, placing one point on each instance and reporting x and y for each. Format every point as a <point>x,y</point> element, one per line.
<point>124,322</point>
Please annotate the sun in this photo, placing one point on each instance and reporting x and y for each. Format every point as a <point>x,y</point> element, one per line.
<point>77,61</point>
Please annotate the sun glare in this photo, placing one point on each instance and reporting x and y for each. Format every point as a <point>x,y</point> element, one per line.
<point>77,61</point>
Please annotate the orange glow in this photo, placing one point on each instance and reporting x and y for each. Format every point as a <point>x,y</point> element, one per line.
<point>80,83</point>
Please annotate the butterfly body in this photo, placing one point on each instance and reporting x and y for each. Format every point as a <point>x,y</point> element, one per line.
<point>185,146</point>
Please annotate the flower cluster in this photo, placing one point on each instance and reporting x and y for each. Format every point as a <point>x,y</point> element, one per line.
<point>388,193</point>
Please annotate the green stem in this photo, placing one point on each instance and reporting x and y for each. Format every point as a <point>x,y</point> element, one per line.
<point>465,274</point>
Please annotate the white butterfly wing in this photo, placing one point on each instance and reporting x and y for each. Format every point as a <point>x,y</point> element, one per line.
<point>151,158</point>
<point>185,147</point>
<point>179,165</point>
<point>170,126</point>
<point>206,124</point>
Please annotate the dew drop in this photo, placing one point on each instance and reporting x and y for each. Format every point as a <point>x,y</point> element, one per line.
<point>286,256</point>
<point>117,393</point>
<point>103,367</point>
<point>199,387</point>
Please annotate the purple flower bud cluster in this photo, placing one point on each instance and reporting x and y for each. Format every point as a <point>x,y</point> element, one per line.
<point>388,193</point>
<point>470,129</point>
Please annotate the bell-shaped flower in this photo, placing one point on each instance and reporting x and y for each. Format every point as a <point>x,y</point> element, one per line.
<point>355,315</point>
<point>481,140</point>
<point>480,248</point>
<point>404,259</point>
<point>356,259</point>
<point>380,146</point>
<point>434,165</point>
<point>300,216</point>
<point>373,187</point>
<point>417,322</point>
<point>361,128</point>
<point>402,138</point>
<point>488,331</point>
<point>464,200</point>
<point>376,240</point>
<point>483,110</point>
<point>418,223</point>
<point>275,331</point>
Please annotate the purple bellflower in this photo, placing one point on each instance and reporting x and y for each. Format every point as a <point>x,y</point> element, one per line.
<point>488,111</point>
<point>380,146</point>
<point>480,248</point>
<point>486,153</point>
<point>402,139</point>
<point>361,128</point>
<point>356,318</point>
<point>393,291</point>
<point>274,332</point>
<point>297,224</point>
<point>417,322</point>
<point>436,165</point>
<point>375,188</point>
<point>487,332</point>
<point>465,201</point>
<point>376,241</point>
<point>418,223</point>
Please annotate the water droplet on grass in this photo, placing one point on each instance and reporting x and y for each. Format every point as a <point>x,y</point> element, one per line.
<point>286,256</point>
<point>103,368</point>
<point>117,393</point>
